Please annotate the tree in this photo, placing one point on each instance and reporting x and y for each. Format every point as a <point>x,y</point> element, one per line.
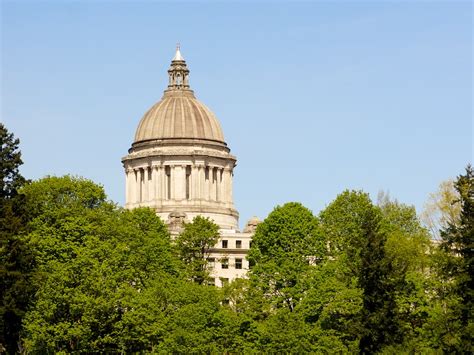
<point>352,225</point>
<point>457,267</point>
<point>16,260</point>
<point>95,265</point>
<point>59,209</point>
<point>10,162</point>
<point>408,247</point>
<point>194,244</point>
<point>284,248</point>
<point>442,208</point>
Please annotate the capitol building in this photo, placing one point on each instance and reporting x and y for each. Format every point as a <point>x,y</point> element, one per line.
<point>180,166</point>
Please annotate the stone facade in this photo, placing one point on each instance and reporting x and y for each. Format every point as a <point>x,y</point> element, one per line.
<point>180,165</point>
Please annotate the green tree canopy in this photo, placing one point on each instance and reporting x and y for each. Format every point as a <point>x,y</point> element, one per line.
<point>16,259</point>
<point>194,244</point>
<point>353,226</point>
<point>457,269</point>
<point>94,262</point>
<point>285,246</point>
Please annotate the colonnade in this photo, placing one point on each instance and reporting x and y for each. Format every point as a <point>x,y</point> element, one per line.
<point>148,184</point>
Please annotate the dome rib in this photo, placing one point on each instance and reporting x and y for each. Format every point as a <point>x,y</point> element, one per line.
<point>158,107</point>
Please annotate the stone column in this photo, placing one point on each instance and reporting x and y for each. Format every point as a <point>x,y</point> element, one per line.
<point>127,186</point>
<point>179,179</point>
<point>193,179</point>
<point>151,185</point>
<point>218,185</point>
<point>231,197</point>
<point>161,183</point>
<point>170,186</point>
<point>154,180</point>
<point>138,185</point>
<point>132,186</point>
<point>200,182</point>
<point>207,182</point>
<point>213,175</point>
<point>145,184</point>
<point>225,180</point>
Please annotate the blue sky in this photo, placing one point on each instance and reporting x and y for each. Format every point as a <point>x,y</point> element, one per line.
<point>313,97</point>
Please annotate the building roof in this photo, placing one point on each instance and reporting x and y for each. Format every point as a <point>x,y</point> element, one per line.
<point>179,114</point>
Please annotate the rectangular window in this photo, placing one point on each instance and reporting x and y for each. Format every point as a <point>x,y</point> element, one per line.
<point>212,282</point>
<point>188,179</point>
<point>224,263</point>
<point>225,244</point>
<point>211,262</point>
<point>224,281</point>
<point>238,244</point>
<point>168,182</point>
<point>238,263</point>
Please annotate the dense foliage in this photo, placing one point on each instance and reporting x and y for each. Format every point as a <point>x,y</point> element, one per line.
<point>16,261</point>
<point>80,274</point>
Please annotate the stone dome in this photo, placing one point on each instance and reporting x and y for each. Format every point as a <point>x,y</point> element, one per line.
<point>179,115</point>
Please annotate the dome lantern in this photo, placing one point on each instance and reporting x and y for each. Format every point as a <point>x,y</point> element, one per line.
<point>178,72</point>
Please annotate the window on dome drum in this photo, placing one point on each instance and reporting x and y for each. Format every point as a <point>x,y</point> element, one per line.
<point>188,177</point>
<point>168,182</point>
<point>224,263</point>
<point>238,244</point>
<point>142,182</point>
<point>238,263</point>
<point>225,244</point>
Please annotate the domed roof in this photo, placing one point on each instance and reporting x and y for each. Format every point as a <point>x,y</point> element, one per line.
<point>179,114</point>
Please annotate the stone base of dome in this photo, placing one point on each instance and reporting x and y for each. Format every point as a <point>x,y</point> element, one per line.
<point>224,215</point>
<point>223,219</point>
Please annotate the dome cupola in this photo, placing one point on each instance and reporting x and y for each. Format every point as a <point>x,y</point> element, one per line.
<point>179,115</point>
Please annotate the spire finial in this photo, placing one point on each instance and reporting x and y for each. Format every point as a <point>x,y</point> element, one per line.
<point>178,55</point>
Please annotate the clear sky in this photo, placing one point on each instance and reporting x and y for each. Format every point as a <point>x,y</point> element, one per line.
<point>313,97</point>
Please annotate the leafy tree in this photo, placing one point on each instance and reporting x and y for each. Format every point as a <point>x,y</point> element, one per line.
<point>197,322</point>
<point>89,294</point>
<point>194,244</point>
<point>457,268</point>
<point>352,225</point>
<point>10,162</point>
<point>332,306</point>
<point>284,248</point>
<point>408,247</point>
<point>442,208</point>
<point>16,260</point>
<point>93,263</point>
